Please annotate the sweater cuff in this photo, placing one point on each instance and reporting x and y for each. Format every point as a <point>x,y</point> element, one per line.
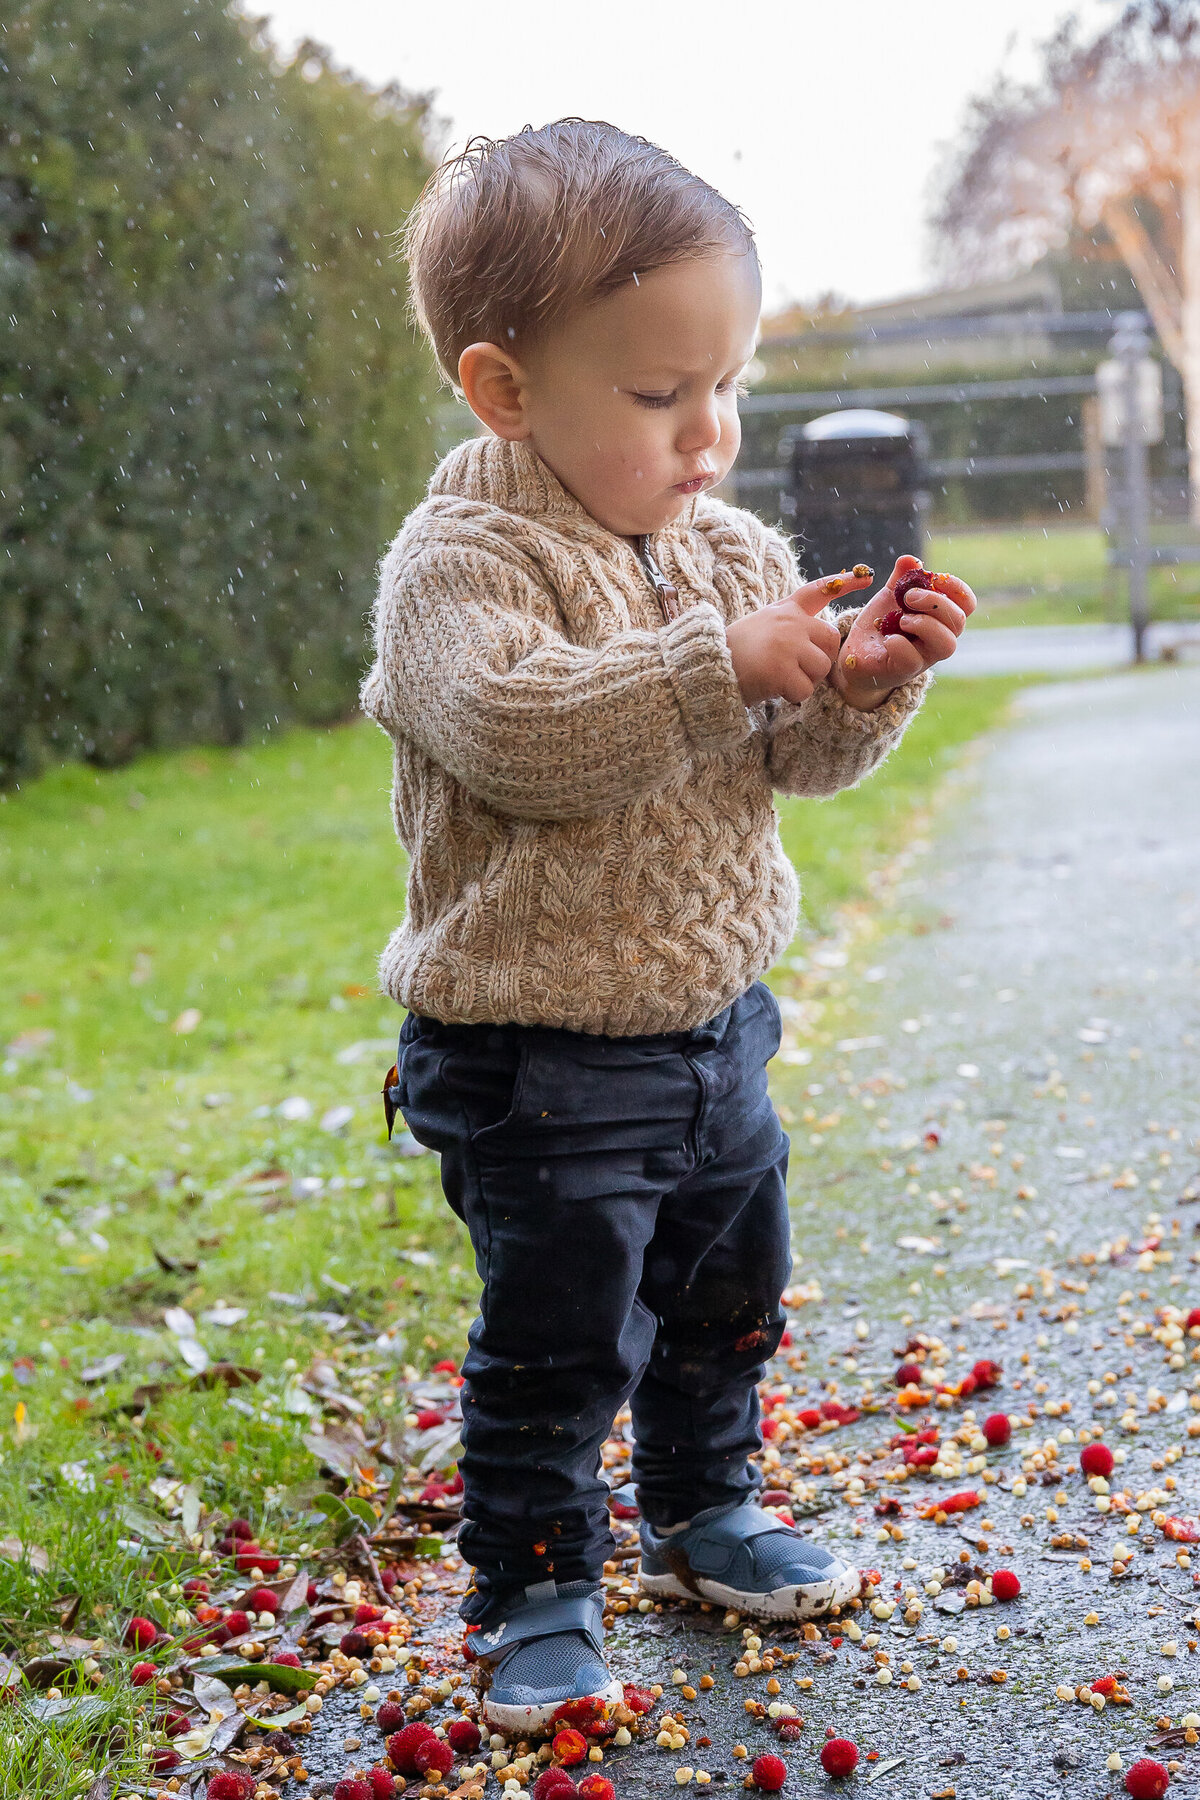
<point>700,668</point>
<point>828,716</point>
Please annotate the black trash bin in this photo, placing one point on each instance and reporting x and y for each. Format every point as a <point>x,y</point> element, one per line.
<point>855,490</point>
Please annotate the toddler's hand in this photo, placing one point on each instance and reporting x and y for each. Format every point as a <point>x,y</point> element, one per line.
<point>783,651</point>
<point>871,663</point>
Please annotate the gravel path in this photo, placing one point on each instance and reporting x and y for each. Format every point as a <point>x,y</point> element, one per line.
<point>1000,1162</point>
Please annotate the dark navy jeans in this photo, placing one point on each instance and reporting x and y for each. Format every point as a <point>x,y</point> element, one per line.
<point>626,1202</point>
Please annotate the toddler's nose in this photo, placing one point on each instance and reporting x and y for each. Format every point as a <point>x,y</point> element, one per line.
<point>700,431</point>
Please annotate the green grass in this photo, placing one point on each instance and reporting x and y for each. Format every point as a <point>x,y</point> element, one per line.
<point>185,945</point>
<point>1056,575</point>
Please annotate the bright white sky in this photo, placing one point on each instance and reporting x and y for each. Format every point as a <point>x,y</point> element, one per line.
<point>822,118</point>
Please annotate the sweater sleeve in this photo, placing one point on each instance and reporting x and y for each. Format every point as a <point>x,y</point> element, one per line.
<point>824,745</point>
<point>470,666</point>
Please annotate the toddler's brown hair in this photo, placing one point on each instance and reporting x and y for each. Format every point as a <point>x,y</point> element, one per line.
<point>515,233</point>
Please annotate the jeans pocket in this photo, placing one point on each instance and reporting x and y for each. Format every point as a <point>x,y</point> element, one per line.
<point>489,1088</point>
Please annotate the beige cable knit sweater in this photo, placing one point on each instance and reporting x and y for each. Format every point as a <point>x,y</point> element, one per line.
<point>584,796</point>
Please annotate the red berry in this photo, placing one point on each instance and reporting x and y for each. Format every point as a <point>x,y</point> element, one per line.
<point>434,1756</point>
<point>447,1366</point>
<point>769,1773</point>
<point>382,1785</point>
<point>916,578</point>
<point>596,1787</point>
<point>230,1784</point>
<point>263,1600</point>
<point>140,1634</point>
<point>353,1787</point>
<point>355,1643</point>
<point>389,1579</point>
<point>987,1373</point>
<point>241,1528</point>
<point>390,1716</point>
<point>175,1723</point>
<point>237,1624</point>
<point>367,1615</point>
<point>162,1760</point>
<point>839,1756</point>
<point>1005,1585</point>
<point>810,1418</point>
<point>141,1673</point>
<point>310,1593</point>
<point>997,1429</point>
<point>890,622</point>
<point>464,1736</point>
<point>429,1418</point>
<point>552,1784</point>
<point>1193,1318</point>
<point>1096,1459</point>
<point>402,1747</point>
<point>570,1746</point>
<point>1146,1780</point>
<point>908,1375</point>
<point>638,1700</point>
<point>251,1557</point>
<point>196,1589</point>
<point>288,1659</point>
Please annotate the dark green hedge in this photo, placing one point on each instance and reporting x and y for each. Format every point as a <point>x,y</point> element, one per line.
<point>213,412</point>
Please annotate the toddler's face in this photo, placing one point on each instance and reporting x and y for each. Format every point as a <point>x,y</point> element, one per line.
<point>633,402</point>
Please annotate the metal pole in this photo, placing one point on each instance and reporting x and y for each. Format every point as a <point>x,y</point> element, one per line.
<point>1131,347</point>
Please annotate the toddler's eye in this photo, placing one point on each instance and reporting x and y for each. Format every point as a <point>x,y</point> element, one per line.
<point>654,400</point>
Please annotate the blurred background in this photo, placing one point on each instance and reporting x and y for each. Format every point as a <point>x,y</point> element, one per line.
<point>214,413</point>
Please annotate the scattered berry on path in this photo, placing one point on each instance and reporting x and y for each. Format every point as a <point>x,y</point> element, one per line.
<point>433,1757</point>
<point>997,1430</point>
<point>141,1633</point>
<point>390,1717</point>
<point>769,1773</point>
<point>1096,1459</point>
<point>1005,1585</point>
<point>1146,1780</point>
<point>570,1746</point>
<point>839,1756</point>
<point>402,1747</point>
<point>551,1784</point>
<point>464,1736</point>
<point>596,1787</point>
<point>230,1784</point>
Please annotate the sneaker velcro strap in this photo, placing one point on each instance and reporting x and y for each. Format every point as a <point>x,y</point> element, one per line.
<point>713,1546</point>
<point>544,1618</point>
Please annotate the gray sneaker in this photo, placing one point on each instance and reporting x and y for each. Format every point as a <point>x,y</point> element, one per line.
<point>542,1663</point>
<point>743,1557</point>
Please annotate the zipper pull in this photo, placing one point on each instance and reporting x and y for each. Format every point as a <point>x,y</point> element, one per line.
<point>666,592</point>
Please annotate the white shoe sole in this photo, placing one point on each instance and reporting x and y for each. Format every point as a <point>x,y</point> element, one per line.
<point>531,1721</point>
<point>810,1601</point>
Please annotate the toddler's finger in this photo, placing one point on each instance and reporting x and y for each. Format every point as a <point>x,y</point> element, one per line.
<point>923,600</point>
<point>814,596</point>
<point>958,591</point>
<point>936,640</point>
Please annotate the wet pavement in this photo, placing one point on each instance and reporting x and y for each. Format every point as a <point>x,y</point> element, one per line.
<point>1068,649</point>
<point>992,1090</point>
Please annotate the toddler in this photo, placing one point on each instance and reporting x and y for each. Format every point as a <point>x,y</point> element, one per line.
<point>595,674</point>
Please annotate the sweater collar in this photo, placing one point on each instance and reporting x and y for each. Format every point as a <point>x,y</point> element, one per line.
<point>513,476</point>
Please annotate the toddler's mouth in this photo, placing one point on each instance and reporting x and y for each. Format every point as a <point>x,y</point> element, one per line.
<point>695,484</point>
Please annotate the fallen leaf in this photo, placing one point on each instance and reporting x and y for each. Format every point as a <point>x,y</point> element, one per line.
<point>107,1365</point>
<point>16,1551</point>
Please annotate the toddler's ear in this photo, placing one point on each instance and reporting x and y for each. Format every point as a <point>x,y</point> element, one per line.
<point>492,383</point>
